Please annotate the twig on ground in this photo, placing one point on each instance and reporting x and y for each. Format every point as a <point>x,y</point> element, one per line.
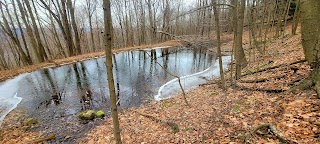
<point>270,129</point>
<point>42,139</point>
<point>173,125</point>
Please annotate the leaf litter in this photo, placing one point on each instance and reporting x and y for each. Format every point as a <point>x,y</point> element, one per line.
<point>217,116</point>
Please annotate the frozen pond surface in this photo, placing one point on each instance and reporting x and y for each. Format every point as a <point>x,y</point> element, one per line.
<point>55,95</point>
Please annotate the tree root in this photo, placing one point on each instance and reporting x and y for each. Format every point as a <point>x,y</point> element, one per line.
<point>174,127</point>
<point>42,139</point>
<point>268,129</point>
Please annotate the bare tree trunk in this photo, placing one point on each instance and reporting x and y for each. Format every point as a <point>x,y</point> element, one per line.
<point>42,53</point>
<point>13,35</point>
<point>75,28</point>
<point>46,44</point>
<point>28,57</point>
<point>234,28</point>
<point>29,31</point>
<point>91,8</point>
<point>108,46</point>
<point>296,17</point>
<point>151,22</point>
<point>67,27</point>
<point>240,57</point>
<point>310,29</point>
<point>217,23</point>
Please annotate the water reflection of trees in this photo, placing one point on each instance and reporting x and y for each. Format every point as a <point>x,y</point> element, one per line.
<point>83,86</point>
<point>137,78</point>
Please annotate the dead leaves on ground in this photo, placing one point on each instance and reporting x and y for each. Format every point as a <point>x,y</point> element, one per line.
<point>227,117</point>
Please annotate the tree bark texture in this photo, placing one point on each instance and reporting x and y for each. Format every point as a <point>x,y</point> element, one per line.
<point>108,46</point>
<point>310,29</point>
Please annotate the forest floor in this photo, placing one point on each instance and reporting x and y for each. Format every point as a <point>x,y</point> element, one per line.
<point>260,108</point>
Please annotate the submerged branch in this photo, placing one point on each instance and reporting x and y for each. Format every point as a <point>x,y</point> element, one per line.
<point>179,80</point>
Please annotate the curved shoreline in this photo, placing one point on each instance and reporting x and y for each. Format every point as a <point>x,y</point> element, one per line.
<point>11,100</point>
<point>201,75</point>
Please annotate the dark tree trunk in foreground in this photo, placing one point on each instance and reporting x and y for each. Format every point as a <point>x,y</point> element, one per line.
<point>108,45</point>
<point>240,57</point>
<point>310,29</point>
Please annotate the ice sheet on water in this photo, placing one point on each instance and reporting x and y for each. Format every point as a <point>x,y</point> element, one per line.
<point>172,87</point>
<point>8,95</point>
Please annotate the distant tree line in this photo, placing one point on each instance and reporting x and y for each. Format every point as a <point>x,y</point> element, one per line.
<point>35,31</point>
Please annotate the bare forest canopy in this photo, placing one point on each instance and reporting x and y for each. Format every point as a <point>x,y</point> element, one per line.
<point>35,31</point>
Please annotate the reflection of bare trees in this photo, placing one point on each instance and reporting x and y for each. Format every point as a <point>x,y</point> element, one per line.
<point>117,79</point>
<point>54,92</point>
<point>83,87</point>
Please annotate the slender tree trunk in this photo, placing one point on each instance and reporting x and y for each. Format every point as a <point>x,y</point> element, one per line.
<point>217,23</point>
<point>108,46</point>
<point>28,56</point>
<point>296,18</point>
<point>29,31</point>
<point>67,27</point>
<point>13,35</point>
<point>234,28</point>
<point>42,53</point>
<point>74,27</point>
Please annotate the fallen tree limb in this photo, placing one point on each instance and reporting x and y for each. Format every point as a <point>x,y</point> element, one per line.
<point>174,127</point>
<point>262,79</point>
<point>266,129</point>
<point>296,80</point>
<point>261,90</point>
<point>42,139</point>
<point>274,67</point>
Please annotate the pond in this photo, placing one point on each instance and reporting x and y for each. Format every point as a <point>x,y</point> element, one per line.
<point>62,92</point>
